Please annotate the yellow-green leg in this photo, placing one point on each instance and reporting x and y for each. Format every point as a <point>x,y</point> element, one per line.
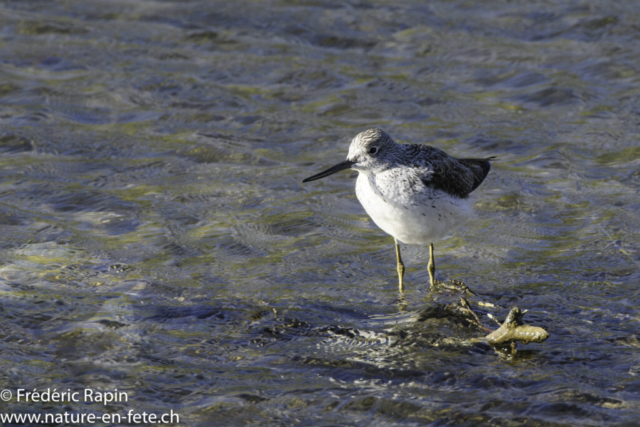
<point>432,268</point>
<point>452,285</point>
<point>400,267</point>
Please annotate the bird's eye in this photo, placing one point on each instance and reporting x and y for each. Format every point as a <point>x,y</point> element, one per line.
<point>373,150</point>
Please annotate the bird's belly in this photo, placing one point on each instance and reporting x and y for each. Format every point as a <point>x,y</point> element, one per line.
<point>424,219</point>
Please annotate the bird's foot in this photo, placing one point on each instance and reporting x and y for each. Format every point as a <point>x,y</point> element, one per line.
<point>451,285</point>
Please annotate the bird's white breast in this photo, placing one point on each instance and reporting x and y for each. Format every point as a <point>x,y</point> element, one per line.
<point>411,212</point>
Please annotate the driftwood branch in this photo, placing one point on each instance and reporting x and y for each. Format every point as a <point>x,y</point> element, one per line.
<point>511,331</point>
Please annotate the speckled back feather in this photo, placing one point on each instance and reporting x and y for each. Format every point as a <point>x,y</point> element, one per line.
<point>457,177</point>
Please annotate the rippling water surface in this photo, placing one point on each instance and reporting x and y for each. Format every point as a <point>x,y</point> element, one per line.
<point>156,237</point>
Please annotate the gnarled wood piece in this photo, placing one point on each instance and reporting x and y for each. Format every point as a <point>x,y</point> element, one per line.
<point>514,330</point>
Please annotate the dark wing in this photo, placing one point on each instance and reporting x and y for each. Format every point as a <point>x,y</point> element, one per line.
<point>458,177</point>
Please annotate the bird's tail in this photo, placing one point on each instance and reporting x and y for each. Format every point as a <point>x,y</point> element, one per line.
<point>480,169</point>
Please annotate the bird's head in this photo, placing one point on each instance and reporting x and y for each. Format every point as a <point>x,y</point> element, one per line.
<point>370,151</point>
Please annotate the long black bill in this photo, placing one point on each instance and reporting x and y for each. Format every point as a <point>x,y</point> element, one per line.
<point>337,168</point>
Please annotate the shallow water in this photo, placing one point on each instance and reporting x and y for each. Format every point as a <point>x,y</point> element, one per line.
<point>156,237</point>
